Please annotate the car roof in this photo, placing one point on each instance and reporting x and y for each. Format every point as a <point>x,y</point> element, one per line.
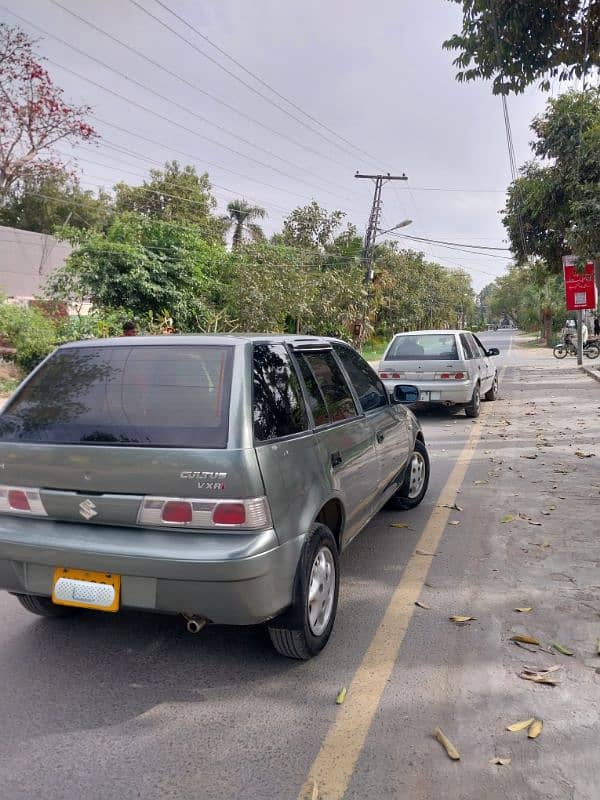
<point>205,338</point>
<point>441,330</point>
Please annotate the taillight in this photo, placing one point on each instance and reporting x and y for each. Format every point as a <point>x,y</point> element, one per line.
<point>448,376</point>
<point>459,376</point>
<point>178,512</point>
<point>383,375</point>
<point>21,500</point>
<point>229,514</point>
<point>252,514</point>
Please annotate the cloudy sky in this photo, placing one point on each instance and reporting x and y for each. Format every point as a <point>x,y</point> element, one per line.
<point>355,88</point>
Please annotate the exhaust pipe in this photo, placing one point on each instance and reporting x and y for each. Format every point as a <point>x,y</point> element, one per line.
<point>194,623</point>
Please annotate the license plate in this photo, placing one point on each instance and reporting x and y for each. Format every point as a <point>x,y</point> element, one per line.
<point>427,396</point>
<point>83,589</point>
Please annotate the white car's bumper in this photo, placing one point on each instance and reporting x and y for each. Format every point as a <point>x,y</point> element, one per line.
<point>448,392</point>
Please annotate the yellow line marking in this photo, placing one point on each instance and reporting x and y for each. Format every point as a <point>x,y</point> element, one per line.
<point>334,765</point>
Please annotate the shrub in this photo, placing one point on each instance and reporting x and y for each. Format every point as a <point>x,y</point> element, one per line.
<point>27,330</point>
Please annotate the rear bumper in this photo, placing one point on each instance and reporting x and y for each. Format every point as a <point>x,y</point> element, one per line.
<point>453,392</point>
<point>229,578</point>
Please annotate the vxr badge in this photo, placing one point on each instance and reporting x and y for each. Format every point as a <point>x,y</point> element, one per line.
<point>87,509</point>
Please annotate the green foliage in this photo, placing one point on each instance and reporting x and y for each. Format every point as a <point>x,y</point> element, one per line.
<point>310,226</point>
<point>174,194</point>
<point>29,331</point>
<point>143,264</point>
<point>42,201</point>
<point>557,202</point>
<point>516,42</point>
<point>241,214</point>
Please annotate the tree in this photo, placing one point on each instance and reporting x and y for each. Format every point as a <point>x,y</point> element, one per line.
<point>517,42</point>
<point>43,201</point>
<point>33,114</point>
<point>241,214</point>
<point>310,226</point>
<point>141,264</point>
<point>553,208</point>
<point>174,194</point>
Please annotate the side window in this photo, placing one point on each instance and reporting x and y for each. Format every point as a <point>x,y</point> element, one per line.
<point>480,347</point>
<point>370,390</point>
<point>333,386</point>
<point>467,347</point>
<point>316,400</point>
<point>277,404</point>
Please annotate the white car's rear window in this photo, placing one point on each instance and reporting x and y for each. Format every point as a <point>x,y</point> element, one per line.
<point>423,347</point>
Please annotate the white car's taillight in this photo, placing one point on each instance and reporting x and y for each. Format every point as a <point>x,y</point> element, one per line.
<point>187,512</point>
<point>21,500</point>
<point>450,376</point>
<point>387,375</point>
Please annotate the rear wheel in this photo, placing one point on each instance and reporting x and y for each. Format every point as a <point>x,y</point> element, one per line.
<point>304,629</point>
<point>560,351</point>
<point>474,407</point>
<point>416,480</point>
<point>592,351</point>
<point>492,392</point>
<point>44,607</point>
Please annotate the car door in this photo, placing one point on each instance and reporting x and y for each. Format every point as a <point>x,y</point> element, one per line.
<point>343,434</point>
<point>488,366</point>
<point>472,358</point>
<point>389,424</point>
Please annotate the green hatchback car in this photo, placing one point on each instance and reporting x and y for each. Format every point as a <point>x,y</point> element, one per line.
<point>218,477</point>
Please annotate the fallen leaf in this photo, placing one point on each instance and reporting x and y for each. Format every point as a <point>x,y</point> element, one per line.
<point>598,647</point>
<point>579,454</point>
<point>524,639</point>
<point>399,525</point>
<point>524,609</point>
<point>421,605</point>
<point>480,483</point>
<point>454,522</point>
<point>446,744</point>
<point>562,649</point>
<point>423,553</point>
<point>546,679</point>
<point>541,544</point>
<point>507,518</point>
<point>533,522</point>
<point>310,790</point>
<point>459,619</point>
<point>529,455</point>
<point>535,729</point>
<point>341,696</point>
<point>520,726</point>
<point>501,761</point>
<point>540,670</point>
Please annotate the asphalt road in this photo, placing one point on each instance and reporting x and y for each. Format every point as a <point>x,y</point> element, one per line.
<point>132,706</point>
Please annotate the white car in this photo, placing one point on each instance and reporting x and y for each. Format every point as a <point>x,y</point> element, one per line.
<point>448,367</point>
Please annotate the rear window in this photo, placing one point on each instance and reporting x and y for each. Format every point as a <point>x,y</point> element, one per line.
<point>423,347</point>
<point>153,396</point>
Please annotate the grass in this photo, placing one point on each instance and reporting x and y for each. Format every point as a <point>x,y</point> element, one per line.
<point>10,377</point>
<point>373,352</point>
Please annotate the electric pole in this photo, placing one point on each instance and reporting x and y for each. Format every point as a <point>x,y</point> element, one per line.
<point>368,253</point>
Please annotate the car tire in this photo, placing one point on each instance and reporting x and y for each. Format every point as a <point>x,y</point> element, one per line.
<point>473,409</point>
<point>416,480</point>
<point>492,392</point>
<point>44,607</point>
<point>303,630</point>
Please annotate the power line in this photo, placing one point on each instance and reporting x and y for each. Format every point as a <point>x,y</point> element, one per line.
<point>456,244</point>
<point>237,78</point>
<point>264,83</point>
<point>451,247</point>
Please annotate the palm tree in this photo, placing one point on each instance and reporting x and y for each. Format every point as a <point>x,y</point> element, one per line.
<point>241,214</point>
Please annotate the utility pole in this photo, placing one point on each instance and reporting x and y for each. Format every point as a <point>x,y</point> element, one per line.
<point>368,253</point>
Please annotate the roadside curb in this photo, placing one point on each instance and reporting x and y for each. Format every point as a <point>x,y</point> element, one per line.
<point>593,373</point>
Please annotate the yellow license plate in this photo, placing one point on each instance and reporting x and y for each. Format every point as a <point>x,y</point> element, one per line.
<point>83,589</point>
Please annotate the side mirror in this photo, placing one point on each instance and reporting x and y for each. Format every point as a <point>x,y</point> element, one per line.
<point>493,351</point>
<point>405,394</point>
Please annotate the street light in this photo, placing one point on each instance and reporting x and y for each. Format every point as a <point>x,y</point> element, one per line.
<point>402,224</point>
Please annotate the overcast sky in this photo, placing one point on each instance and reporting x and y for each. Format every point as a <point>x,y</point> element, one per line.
<point>377,79</point>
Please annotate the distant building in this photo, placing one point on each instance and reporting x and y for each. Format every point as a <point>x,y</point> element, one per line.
<point>27,259</point>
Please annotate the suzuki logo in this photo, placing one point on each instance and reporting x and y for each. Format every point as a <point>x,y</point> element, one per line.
<point>87,509</point>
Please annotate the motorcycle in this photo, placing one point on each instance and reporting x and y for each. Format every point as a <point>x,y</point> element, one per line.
<point>569,348</point>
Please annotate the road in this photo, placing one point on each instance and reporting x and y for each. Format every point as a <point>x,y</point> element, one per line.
<point>133,706</point>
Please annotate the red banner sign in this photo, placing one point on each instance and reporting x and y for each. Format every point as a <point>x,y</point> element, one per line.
<point>580,288</point>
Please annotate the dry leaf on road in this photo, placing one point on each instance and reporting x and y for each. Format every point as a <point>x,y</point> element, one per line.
<point>536,729</point>
<point>579,454</point>
<point>524,609</point>
<point>341,696</point>
<point>399,525</point>
<point>529,455</point>
<point>507,518</point>
<point>459,619</point>
<point>524,639</point>
<point>480,483</point>
<point>501,761</point>
<point>423,553</point>
<point>454,522</point>
<point>562,649</point>
<point>421,605</point>
<point>520,726</point>
<point>446,744</point>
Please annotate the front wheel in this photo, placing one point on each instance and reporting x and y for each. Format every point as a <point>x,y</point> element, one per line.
<point>416,480</point>
<point>492,392</point>
<point>560,351</point>
<point>473,409</point>
<point>304,629</point>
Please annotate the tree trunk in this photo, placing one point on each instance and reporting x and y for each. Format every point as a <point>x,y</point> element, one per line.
<point>548,328</point>
<point>238,234</point>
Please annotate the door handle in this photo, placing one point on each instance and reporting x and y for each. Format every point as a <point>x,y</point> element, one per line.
<point>336,459</point>
<point>380,436</point>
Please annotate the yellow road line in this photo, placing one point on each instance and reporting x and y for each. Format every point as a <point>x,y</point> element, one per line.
<point>332,769</point>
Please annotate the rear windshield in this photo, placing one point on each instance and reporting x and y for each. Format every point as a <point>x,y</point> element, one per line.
<point>153,396</point>
<point>422,347</point>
